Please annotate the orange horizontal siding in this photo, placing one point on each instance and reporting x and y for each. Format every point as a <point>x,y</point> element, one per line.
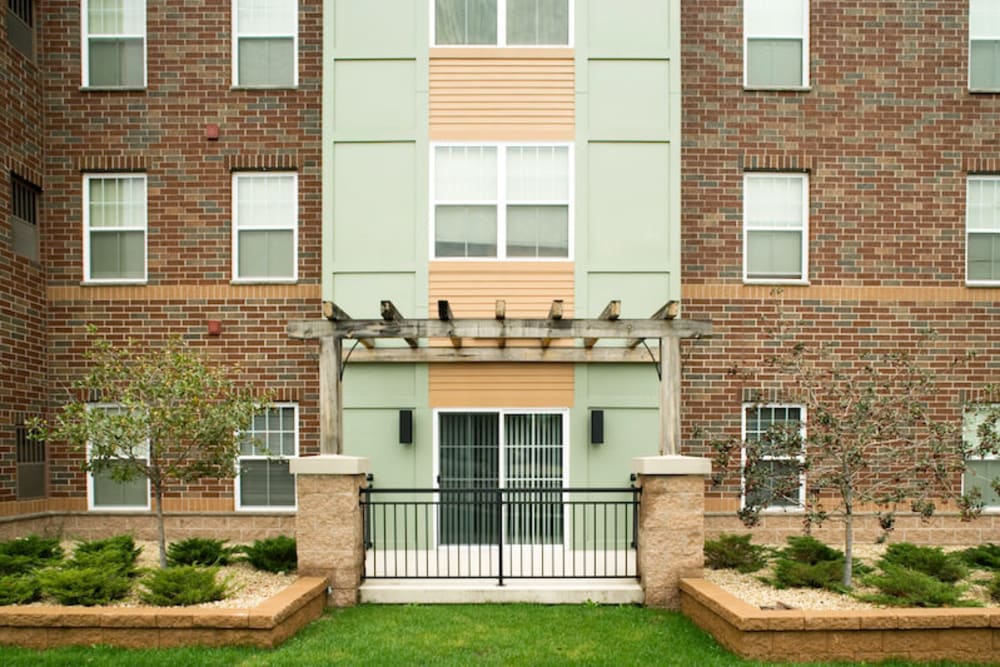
<point>472,288</point>
<point>500,385</point>
<point>485,94</point>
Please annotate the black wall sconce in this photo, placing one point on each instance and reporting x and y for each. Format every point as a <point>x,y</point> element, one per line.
<point>406,427</point>
<point>597,427</point>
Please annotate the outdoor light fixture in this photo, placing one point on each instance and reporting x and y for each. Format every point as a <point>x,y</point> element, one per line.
<point>597,427</point>
<point>406,427</point>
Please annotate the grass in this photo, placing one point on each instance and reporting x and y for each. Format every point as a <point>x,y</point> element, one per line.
<point>447,635</point>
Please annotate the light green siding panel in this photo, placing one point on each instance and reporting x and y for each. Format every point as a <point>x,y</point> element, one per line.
<point>628,433</point>
<point>380,385</point>
<point>630,28</point>
<point>384,28</point>
<point>641,293</point>
<point>629,100</point>
<point>375,208</point>
<point>629,192</point>
<point>623,386</point>
<point>375,433</point>
<point>361,294</point>
<point>375,99</point>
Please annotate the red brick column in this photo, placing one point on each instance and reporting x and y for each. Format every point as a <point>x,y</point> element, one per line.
<point>328,524</point>
<point>671,524</point>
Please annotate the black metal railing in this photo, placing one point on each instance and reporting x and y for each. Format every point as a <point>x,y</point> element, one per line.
<point>501,533</point>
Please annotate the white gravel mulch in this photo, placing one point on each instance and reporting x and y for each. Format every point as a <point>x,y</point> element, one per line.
<point>750,589</point>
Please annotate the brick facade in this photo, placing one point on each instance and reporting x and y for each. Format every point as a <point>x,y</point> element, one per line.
<point>888,133</point>
<point>160,131</point>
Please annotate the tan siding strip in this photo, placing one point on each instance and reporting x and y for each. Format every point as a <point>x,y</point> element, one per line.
<point>500,385</point>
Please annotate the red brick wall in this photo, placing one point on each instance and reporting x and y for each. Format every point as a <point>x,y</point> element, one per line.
<point>22,282</point>
<point>888,133</point>
<point>161,132</point>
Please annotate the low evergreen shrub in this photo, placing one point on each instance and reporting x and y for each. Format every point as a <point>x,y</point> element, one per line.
<point>932,561</point>
<point>275,554</point>
<point>19,589</point>
<point>87,586</point>
<point>826,574</point>
<point>26,554</point>
<point>807,549</point>
<point>734,552</point>
<point>183,585</point>
<point>902,587</point>
<point>117,554</point>
<point>986,556</point>
<point>199,551</point>
<point>993,588</point>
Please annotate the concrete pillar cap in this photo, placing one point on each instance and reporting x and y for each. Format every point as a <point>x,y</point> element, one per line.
<point>330,464</point>
<point>671,465</point>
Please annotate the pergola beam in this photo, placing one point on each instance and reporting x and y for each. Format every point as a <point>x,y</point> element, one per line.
<point>471,354</point>
<point>391,314</point>
<point>555,314</point>
<point>611,312</point>
<point>668,311</point>
<point>500,314</point>
<point>445,315</point>
<point>335,313</point>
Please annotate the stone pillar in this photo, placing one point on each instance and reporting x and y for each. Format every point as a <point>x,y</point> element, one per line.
<point>671,524</point>
<point>328,523</point>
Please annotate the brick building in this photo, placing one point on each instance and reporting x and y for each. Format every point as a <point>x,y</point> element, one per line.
<point>847,153</point>
<point>171,160</point>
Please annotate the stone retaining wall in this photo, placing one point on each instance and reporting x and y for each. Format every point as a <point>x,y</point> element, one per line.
<point>965,635</point>
<point>264,626</point>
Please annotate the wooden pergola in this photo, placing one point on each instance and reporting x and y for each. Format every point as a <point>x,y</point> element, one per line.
<point>337,326</point>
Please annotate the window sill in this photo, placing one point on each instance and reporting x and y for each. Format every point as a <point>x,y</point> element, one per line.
<point>257,509</point>
<point>980,284</point>
<point>984,91</point>
<point>281,87</point>
<point>114,283</point>
<point>778,89</point>
<point>506,260</point>
<point>755,281</point>
<point>118,509</point>
<point>264,281</point>
<point>112,89</point>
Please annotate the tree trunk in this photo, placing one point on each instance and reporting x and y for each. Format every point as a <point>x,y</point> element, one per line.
<point>848,541</point>
<point>159,524</point>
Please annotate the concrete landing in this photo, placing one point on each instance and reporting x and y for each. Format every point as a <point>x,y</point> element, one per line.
<point>475,591</point>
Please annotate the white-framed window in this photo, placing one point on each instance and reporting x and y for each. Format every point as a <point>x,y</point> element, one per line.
<point>502,201</point>
<point>106,493</point>
<point>114,43</point>
<point>980,471</point>
<point>775,227</point>
<point>982,230</point>
<point>758,421</point>
<point>776,43</point>
<point>501,448</point>
<point>264,481</point>
<point>114,228</point>
<point>265,43</point>
<point>984,45</point>
<point>502,22</point>
<point>265,226</point>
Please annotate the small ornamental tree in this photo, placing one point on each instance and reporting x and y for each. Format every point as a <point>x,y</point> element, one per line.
<point>161,413</point>
<point>870,441</point>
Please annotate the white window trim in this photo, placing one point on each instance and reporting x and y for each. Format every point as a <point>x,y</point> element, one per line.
<point>968,182</point>
<point>804,279</point>
<point>236,279</point>
<point>237,489</point>
<point>85,49</point>
<point>992,509</point>
<point>87,230</point>
<point>743,457</point>
<point>804,85</point>
<point>500,201</point>
<point>502,468</point>
<point>91,505</point>
<point>236,52</point>
<point>502,31</point>
<point>995,38</point>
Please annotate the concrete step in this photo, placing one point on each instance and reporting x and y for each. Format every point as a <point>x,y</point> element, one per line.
<point>475,591</point>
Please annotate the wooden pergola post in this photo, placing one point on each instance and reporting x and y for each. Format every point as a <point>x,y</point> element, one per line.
<point>670,396</point>
<point>331,396</point>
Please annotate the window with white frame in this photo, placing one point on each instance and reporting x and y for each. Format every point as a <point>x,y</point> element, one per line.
<point>982,230</point>
<point>265,43</point>
<point>108,493</point>
<point>265,481</point>
<point>114,227</point>
<point>980,471</point>
<point>502,201</point>
<point>770,423</point>
<point>265,226</point>
<point>776,43</point>
<point>775,227</point>
<point>502,22</point>
<point>114,43</point>
<point>984,45</point>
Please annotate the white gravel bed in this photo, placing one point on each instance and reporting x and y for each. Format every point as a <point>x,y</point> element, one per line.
<point>750,589</point>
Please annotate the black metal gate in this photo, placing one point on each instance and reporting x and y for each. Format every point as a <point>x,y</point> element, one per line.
<point>501,533</point>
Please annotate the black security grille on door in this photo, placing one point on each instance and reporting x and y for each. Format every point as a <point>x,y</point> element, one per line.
<point>30,465</point>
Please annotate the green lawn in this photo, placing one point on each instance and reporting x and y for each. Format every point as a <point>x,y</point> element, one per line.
<point>446,635</point>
